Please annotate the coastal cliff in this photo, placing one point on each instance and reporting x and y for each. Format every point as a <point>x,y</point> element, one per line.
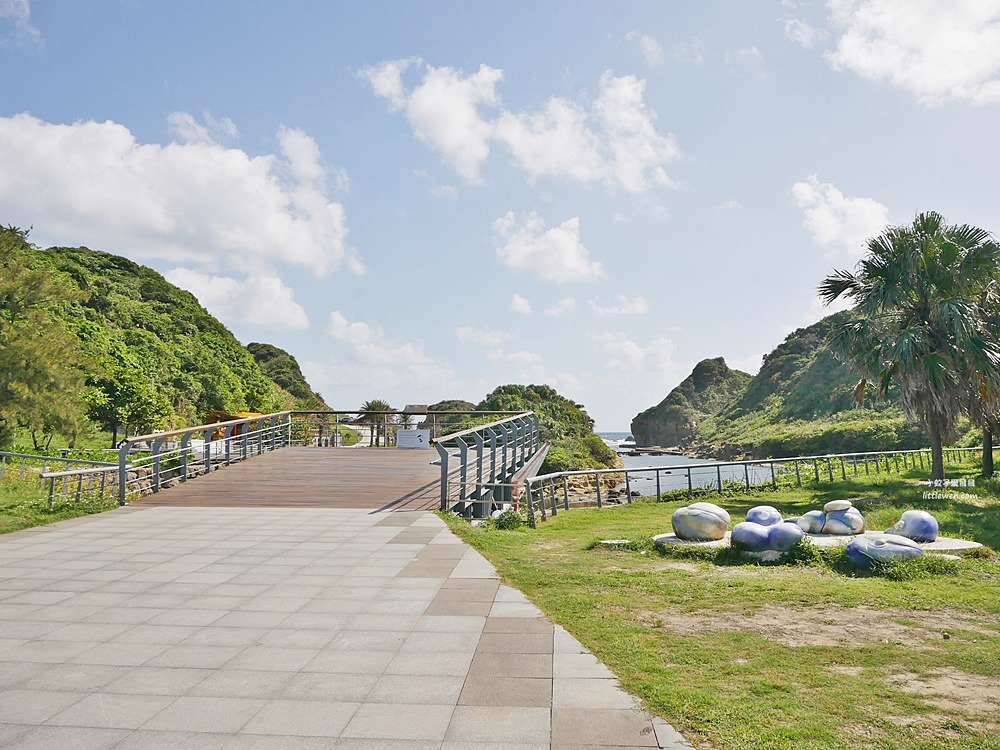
<point>801,402</point>
<point>673,421</point>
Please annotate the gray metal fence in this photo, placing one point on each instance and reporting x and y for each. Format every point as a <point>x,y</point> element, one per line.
<point>479,465</point>
<point>547,494</point>
<point>150,463</point>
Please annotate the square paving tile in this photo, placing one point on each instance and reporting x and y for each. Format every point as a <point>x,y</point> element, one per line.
<point>112,710</point>
<point>577,727</point>
<point>420,689</point>
<point>301,718</point>
<point>401,722</point>
<point>203,714</point>
<point>507,691</point>
<point>499,724</point>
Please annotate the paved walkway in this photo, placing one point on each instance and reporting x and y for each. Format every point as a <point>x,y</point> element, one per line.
<point>243,628</point>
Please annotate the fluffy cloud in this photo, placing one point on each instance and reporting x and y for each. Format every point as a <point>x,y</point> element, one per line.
<point>374,357</point>
<point>520,305</point>
<point>191,201</point>
<point>836,220</point>
<point>443,109</point>
<point>651,49</point>
<point>258,300</point>
<point>938,51</point>
<point>614,140</point>
<point>552,254</point>
<point>634,305</point>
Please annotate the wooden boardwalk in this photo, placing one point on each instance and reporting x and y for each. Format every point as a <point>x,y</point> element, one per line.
<point>367,478</point>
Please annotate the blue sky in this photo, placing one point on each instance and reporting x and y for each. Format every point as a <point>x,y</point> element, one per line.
<point>425,201</point>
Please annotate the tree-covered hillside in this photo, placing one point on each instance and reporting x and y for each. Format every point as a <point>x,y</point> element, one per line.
<point>801,402</point>
<point>132,351</point>
<point>284,370</point>
<point>709,387</point>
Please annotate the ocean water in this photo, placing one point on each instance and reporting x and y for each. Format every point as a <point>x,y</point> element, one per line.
<point>673,470</point>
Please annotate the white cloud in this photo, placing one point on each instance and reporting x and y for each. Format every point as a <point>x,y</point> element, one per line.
<point>18,13</point>
<point>519,304</point>
<point>937,51</point>
<point>194,202</point>
<point>527,365</point>
<point>555,254</point>
<point>443,109</point>
<point>259,300</point>
<point>481,336</point>
<point>562,307</point>
<point>635,305</point>
<point>614,140</point>
<point>625,356</point>
<point>375,357</point>
<point>833,219</point>
<point>801,32</point>
<point>651,49</point>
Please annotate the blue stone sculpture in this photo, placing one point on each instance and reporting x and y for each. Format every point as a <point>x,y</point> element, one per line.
<point>918,525</point>
<point>750,536</point>
<point>700,522</point>
<point>866,552</point>
<point>812,522</point>
<point>843,522</point>
<point>784,536</point>
<point>765,515</point>
<point>756,537</point>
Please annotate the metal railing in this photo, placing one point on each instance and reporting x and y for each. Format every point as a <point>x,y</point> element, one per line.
<point>149,463</point>
<point>548,493</point>
<point>488,458</point>
<point>326,428</point>
<point>25,460</point>
<point>99,482</point>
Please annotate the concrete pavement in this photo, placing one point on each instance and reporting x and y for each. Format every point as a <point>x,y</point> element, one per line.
<point>240,628</point>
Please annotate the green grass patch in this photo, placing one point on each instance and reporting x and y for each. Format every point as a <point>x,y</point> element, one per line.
<point>24,503</point>
<point>804,654</point>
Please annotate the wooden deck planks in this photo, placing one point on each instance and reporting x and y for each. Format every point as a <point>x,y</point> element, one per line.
<point>389,479</point>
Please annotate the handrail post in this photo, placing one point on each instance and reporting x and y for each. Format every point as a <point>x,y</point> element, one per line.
<point>185,441</point>
<point>463,470</point>
<point>157,444</point>
<point>123,470</point>
<point>480,451</point>
<point>443,452</point>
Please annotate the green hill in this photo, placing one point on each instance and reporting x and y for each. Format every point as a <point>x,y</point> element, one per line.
<point>801,402</point>
<point>135,353</point>
<point>284,370</point>
<point>709,387</point>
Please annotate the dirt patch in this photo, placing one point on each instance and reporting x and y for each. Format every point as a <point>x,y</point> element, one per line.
<point>953,690</point>
<point>827,626</point>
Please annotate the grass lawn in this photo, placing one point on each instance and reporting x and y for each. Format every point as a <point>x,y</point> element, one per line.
<point>25,503</point>
<point>810,655</point>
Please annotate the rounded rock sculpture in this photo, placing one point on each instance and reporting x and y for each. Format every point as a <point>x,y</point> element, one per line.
<point>756,537</point>
<point>812,522</point>
<point>750,536</point>
<point>700,522</point>
<point>837,505</point>
<point>918,525</point>
<point>844,522</point>
<point>866,552</point>
<point>765,515</point>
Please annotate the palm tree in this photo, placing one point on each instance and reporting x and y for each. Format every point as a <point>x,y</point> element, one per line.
<point>921,320</point>
<point>373,417</point>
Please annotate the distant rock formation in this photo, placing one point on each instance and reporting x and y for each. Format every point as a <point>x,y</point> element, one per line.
<point>709,387</point>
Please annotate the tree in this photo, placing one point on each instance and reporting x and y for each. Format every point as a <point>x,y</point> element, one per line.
<point>376,418</point>
<point>40,378</point>
<point>922,321</point>
<point>128,401</point>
